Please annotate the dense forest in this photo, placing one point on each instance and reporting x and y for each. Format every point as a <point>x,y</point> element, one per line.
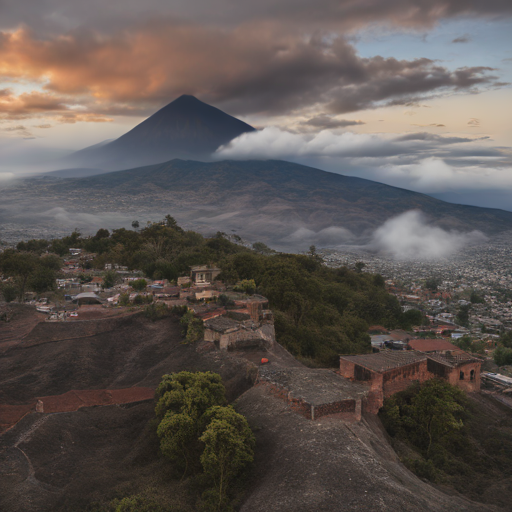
<point>319,312</point>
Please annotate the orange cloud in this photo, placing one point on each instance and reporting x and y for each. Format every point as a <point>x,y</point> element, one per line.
<point>253,68</point>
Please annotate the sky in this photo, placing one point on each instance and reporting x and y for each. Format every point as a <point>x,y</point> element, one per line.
<point>415,94</point>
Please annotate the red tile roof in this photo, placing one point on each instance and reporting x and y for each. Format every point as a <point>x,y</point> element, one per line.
<point>432,345</point>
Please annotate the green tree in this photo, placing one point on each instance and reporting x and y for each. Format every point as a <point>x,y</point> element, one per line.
<point>182,399</point>
<point>476,298</point>
<point>506,339</point>
<point>42,279</point>
<point>170,222</point>
<point>9,292</point>
<point>139,284</point>
<point>435,411</point>
<point>425,415</point>
<point>84,278</point>
<point>136,503</point>
<point>432,284</point>
<point>228,449</point>
<point>411,318</point>
<point>193,327</point>
<point>135,224</point>
<point>359,266</point>
<point>462,317</point>
<point>503,356</point>
<point>464,342</point>
<point>124,299</point>
<point>110,278</point>
<point>177,433</point>
<point>246,285</point>
<point>262,248</point>
<point>20,265</point>
<point>190,393</point>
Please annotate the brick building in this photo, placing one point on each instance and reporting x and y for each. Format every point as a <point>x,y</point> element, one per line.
<point>389,372</point>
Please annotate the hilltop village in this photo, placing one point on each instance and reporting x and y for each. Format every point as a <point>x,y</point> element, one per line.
<point>235,319</point>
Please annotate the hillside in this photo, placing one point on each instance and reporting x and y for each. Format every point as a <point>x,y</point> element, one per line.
<point>327,464</point>
<point>271,200</point>
<point>185,128</point>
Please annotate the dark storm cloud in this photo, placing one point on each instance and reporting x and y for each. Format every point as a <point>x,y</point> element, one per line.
<point>47,15</point>
<point>259,72</point>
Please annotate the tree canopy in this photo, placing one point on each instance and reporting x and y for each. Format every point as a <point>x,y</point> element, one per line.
<point>198,429</point>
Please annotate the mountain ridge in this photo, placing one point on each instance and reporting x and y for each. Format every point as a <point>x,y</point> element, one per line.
<point>272,199</point>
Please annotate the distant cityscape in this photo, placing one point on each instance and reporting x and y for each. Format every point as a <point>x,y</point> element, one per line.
<point>485,269</point>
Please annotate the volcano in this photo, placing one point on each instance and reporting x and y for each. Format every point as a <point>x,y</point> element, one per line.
<point>186,128</point>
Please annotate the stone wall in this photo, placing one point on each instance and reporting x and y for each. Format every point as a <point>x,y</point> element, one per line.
<point>313,412</point>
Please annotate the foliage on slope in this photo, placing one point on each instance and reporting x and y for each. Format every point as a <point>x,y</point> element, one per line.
<point>445,436</point>
<point>319,312</point>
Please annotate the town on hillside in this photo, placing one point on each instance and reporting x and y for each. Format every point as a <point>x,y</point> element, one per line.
<point>236,319</point>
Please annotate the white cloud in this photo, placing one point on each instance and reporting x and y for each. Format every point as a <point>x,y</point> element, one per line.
<point>87,221</point>
<point>272,142</point>
<point>422,162</point>
<point>327,237</point>
<point>409,236</point>
<point>432,175</point>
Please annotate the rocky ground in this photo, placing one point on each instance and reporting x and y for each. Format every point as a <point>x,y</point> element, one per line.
<point>66,461</point>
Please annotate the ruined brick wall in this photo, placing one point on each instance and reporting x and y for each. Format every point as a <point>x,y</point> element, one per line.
<point>211,335</point>
<point>335,408</point>
<point>297,405</point>
<point>373,402</point>
<point>439,370</point>
<point>467,384</point>
<point>347,369</point>
<point>400,379</point>
<point>313,412</point>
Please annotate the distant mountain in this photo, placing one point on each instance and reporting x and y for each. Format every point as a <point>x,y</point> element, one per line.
<point>185,128</point>
<point>274,201</point>
<point>75,173</point>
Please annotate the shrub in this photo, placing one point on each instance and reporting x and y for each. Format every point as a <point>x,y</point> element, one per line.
<point>139,285</point>
<point>246,286</point>
<point>156,311</point>
<point>124,299</point>
<point>9,292</point>
<point>193,328</point>
<point>503,356</point>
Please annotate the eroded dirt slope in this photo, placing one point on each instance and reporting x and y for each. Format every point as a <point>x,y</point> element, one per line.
<point>110,353</point>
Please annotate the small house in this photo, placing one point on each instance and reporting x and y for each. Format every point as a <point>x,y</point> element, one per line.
<point>202,275</point>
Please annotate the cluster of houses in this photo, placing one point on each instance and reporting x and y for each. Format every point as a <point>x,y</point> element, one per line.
<point>238,321</point>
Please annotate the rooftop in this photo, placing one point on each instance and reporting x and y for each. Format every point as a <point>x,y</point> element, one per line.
<point>454,360</point>
<point>314,386</point>
<point>432,345</point>
<point>222,324</point>
<point>386,360</point>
